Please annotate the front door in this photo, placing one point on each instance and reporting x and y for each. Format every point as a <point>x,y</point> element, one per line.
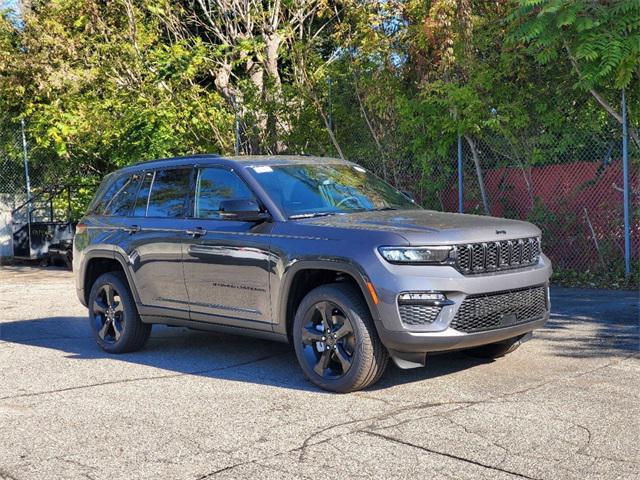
<point>226,262</point>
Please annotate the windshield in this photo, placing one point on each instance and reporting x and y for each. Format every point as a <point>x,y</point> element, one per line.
<point>324,189</point>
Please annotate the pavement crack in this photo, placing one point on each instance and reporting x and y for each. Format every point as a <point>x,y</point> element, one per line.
<point>4,475</point>
<point>150,377</point>
<point>449,455</point>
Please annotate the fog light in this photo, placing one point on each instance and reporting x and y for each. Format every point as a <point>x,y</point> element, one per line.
<point>423,298</point>
<point>412,297</point>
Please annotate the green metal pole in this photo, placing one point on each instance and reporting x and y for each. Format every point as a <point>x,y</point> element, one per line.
<point>625,173</point>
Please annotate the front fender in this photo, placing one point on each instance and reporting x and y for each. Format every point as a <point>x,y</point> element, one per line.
<point>336,265</point>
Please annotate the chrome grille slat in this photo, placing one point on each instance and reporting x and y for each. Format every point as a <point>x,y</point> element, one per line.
<point>501,309</point>
<point>477,258</point>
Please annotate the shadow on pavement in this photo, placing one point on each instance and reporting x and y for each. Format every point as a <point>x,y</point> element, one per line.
<point>190,352</point>
<point>601,323</point>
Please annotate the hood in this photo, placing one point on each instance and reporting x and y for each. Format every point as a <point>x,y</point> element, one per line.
<point>424,227</point>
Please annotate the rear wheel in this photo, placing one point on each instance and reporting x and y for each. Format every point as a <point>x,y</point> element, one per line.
<point>113,316</point>
<point>336,341</point>
<point>496,350</point>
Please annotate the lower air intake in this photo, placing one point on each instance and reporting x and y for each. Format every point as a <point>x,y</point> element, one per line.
<point>501,309</point>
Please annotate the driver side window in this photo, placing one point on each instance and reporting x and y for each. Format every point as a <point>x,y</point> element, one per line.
<point>215,185</point>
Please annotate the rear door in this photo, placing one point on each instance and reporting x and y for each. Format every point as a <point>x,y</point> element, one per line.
<point>226,262</point>
<point>156,234</point>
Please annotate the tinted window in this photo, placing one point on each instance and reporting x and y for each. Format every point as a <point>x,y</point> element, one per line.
<point>111,190</point>
<point>122,201</point>
<point>140,210</point>
<point>169,193</point>
<point>328,188</point>
<point>215,185</point>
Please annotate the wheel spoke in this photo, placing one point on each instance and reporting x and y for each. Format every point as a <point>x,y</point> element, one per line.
<point>343,358</point>
<point>116,332</point>
<point>105,329</point>
<point>119,308</point>
<point>311,336</point>
<point>109,294</point>
<point>99,306</point>
<point>325,309</point>
<point>344,330</point>
<point>323,362</point>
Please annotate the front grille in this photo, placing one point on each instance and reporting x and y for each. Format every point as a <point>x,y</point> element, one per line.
<point>485,257</point>
<point>501,309</point>
<point>418,314</point>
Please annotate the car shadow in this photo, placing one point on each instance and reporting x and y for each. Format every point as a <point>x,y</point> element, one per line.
<point>179,351</point>
<point>597,324</point>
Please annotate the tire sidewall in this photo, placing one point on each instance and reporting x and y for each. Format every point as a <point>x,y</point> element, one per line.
<point>130,312</point>
<point>333,295</point>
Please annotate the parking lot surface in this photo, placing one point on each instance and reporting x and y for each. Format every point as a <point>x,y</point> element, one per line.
<point>196,405</point>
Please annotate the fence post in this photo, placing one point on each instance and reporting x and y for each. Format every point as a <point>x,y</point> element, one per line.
<point>27,181</point>
<point>625,173</point>
<point>236,146</point>
<point>25,158</point>
<point>460,193</point>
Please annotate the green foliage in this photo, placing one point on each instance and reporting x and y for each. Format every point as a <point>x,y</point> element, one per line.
<point>102,89</point>
<point>602,39</point>
<point>391,85</point>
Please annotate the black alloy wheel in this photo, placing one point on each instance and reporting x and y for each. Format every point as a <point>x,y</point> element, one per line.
<point>328,340</point>
<point>108,314</point>
<point>336,340</point>
<point>113,315</point>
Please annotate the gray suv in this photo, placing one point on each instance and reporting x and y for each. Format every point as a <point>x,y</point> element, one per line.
<point>317,252</point>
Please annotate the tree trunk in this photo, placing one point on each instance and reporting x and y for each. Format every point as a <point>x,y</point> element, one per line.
<point>476,162</point>
<point>273,90</point>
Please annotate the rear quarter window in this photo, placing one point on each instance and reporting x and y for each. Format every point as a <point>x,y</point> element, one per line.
<point>106,193</point>
<point>123,200</point>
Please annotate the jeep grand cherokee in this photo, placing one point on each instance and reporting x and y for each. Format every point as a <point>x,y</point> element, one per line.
<point>317,252</point>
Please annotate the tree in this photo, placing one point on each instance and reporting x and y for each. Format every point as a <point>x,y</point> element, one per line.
<point>101,87</point>
<point>600,39</point>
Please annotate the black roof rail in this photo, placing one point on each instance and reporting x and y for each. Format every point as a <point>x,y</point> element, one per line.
<point>166,159</point>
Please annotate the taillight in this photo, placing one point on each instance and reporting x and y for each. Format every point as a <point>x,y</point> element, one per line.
<point>81,228</point>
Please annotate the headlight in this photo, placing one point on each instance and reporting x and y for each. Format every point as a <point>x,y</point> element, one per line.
<point>416,254</point>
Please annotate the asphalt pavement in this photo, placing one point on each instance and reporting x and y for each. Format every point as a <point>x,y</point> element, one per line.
<point>196,405</point>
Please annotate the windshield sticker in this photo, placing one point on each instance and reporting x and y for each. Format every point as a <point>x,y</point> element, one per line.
<point>263,169</point>
<point>360,169</point>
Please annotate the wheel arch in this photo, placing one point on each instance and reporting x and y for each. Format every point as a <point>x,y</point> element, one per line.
<point>98,262</point>
<point>304,276</point>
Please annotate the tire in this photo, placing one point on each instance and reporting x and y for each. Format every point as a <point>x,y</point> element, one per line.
<point>351,357</point>
<point>125,331</point>
<point>495,350</point>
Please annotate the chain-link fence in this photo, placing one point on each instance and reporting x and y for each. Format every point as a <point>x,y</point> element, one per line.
<point>570,187</point>
<point>574,195</point>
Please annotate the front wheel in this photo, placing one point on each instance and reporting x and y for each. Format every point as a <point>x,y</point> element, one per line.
<point>336,341</point>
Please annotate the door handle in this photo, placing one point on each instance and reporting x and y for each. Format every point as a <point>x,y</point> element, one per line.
<point>196,232</point>
<point>132,229</point>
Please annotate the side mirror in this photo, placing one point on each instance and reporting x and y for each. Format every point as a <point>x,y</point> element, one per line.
<point>409,195</point>
<point>242,210</point>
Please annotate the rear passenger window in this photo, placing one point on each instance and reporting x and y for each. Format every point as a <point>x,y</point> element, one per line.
<point>122,201</point>
<point>140,209</point>
<point>169,193</point>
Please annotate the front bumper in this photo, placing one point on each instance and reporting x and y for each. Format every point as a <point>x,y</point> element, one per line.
<point>450,339</point>
<point>401,338</point>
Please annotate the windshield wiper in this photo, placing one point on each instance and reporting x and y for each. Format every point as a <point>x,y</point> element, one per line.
<point>383,209</point>
<point>311,215</point>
